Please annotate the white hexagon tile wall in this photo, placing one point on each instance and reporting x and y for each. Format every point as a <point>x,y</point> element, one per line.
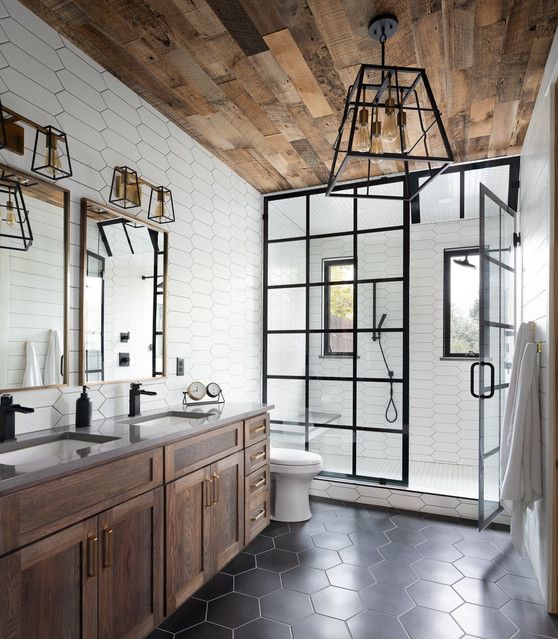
<point>214,318</point>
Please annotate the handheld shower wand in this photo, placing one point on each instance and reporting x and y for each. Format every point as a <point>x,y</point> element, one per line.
<point>391,407</point>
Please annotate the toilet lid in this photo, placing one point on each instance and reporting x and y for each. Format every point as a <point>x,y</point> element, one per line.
<point>291,457</point>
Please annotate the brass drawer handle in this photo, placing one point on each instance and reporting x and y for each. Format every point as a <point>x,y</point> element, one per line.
<point>258,516</point>
<point>259,483</point>
<point>92,555</point>
<point>216,479</point>
<point>257,456</point>
<point>107,547</point>
<point>206,497</point>
<point>258,429</point>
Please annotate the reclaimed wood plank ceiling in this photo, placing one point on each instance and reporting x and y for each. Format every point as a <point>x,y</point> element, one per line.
<point>261,83</point>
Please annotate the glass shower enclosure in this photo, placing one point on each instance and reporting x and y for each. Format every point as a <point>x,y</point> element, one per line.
<point>336,329</point>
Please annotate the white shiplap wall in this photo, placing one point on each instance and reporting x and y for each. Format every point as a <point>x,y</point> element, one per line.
<point>538,159</point>
<point>214,318</point>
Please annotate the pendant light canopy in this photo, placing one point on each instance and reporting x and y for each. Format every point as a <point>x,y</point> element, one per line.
<point>15,229</point>
<point>391,122</point>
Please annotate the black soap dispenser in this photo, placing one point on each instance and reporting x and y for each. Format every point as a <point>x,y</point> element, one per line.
<point>84,409</point>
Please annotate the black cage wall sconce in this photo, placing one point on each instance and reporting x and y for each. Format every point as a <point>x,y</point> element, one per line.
<point>15,229</point>
<point>51,154</point>
<point>391,123</point>
<point>126,193</point>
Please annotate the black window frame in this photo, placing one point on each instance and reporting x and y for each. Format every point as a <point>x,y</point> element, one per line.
<point>449,255</point>
<point>327,264</point>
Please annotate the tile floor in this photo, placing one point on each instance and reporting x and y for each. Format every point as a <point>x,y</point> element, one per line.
<point>359,572</point>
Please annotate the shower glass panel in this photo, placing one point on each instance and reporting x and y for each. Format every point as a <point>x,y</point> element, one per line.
<point>335,365</point>
<point>496,325</point>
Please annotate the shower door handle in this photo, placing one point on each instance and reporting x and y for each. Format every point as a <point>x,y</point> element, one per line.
<point>491,390</point>
<point>472,380</point>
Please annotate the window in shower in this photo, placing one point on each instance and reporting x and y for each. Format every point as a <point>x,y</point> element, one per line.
<point>338,307</point>
<point>461,302</point>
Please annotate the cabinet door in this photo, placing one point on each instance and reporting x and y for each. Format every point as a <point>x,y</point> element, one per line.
<point>131,567</point>
<point>227,509</point>
<point>49,589</point>
<point>187,517</point>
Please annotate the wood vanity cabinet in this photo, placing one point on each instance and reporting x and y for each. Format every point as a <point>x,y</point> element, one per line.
<point>205,525</point>
<point>100,578</point>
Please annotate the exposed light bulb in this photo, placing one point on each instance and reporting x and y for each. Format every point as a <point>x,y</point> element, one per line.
<point>11,218</point>
<point>131,193</point>
<point>402,124</point>
<point>362,134</point>
<point>160,206</point>
<point>376,145</point>
<point>390,130</point>
<point>52,155</point>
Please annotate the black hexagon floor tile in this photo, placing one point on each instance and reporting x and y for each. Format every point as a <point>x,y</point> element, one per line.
<point>257,582</point>
<point>239,564</point>
<point>350,577</point>
<point>233,610</point>
<point>218,586</point>
<point>305,579</point>
<point>466,584</point>
<point>424,623</point>
<point>189,614</point>
<point>321,627</point>
<point>482,593</point>
<point>369,624</point>
<point>204,630</point>
<point>263,629</point>
<point>337,602</point>
<point>319,558</point>
<point>277,560</point>
<point>386,598</point>
<point>286,605</point>
<point>480,621</point>
<point>439,571</point>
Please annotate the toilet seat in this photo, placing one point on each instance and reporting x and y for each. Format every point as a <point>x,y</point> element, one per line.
<point>293,457</point>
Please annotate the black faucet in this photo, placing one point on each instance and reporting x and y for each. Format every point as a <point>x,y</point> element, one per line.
<point>135,392</point>
<point>7,416</point>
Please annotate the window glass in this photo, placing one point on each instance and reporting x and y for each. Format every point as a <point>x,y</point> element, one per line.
<point>461,302</point>
<point>338,307</point>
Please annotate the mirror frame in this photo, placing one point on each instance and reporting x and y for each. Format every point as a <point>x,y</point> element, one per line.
<point>87,205</point>
<point>43,186</point>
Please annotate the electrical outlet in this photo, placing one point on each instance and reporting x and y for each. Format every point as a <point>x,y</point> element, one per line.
<point>179,366</point>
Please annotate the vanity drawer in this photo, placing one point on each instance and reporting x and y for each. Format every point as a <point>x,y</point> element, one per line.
<point>256,429</point>
<point>257,483</point>
<point>37,511</point>
<point>190,454</point>
<point>257,516</point>
<point>256,456</point>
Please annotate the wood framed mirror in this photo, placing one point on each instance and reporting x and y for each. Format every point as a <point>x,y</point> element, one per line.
<point>123,296</point>
<point>34,282</point>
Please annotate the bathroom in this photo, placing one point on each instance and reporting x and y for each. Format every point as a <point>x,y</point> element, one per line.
<point>168,364</point>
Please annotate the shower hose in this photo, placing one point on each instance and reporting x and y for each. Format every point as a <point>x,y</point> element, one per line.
<point>391,407</point>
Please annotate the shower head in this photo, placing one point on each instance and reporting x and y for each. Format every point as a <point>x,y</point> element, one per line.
<point>465,262</point>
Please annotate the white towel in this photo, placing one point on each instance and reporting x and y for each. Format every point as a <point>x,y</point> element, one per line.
<point>521,472</point>
<point>53,359</point>
<point>32,375</point>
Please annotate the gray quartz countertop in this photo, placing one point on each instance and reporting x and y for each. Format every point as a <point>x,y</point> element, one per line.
<point>41,455</point>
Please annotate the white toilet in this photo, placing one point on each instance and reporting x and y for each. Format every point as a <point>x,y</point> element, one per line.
<point>291,474</point>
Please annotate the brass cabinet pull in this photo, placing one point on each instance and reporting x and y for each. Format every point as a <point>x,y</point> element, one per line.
<point>216,479</point>
<point>259,483</point>
<point>107,547</point>
<point>257,456</point>
<point>258,429</point>
<point>258,516</point>
<point>92,555</point>
<point>206,497</point>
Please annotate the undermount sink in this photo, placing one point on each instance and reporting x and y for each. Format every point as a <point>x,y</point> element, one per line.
<point>48,451</point>
<point>167,419</point>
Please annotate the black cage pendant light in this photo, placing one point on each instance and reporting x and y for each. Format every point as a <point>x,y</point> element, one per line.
<point>15,229</point>
<point>390,123</point>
